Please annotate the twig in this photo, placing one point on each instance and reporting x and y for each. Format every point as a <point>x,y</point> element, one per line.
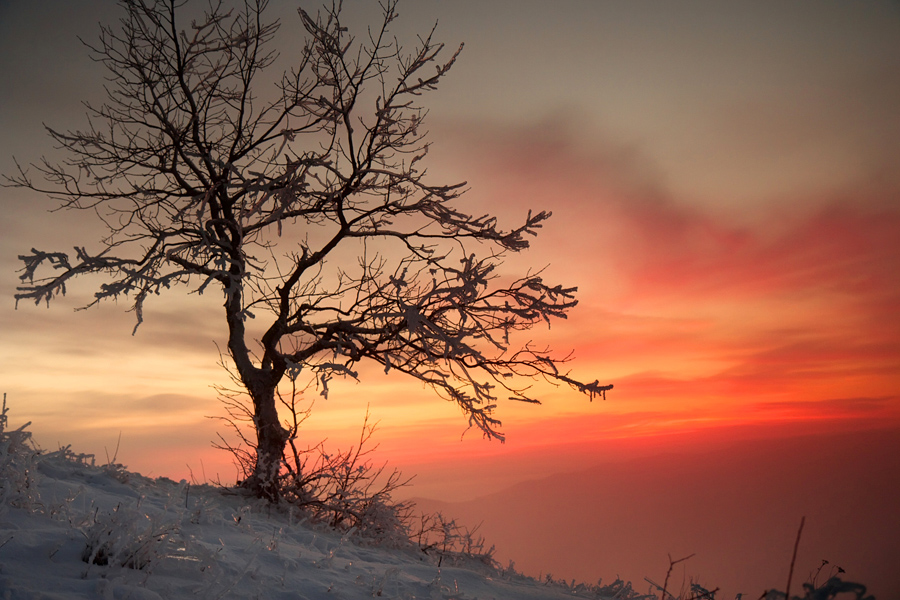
<point>672,564</point>
<point>111,461</point>
<point>787,591</point>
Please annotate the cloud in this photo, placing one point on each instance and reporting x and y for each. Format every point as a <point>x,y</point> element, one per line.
<point>856,407</point>
<point>842,246</point>
<point>611,205</point>
<point>638,250</point>
<point>702,317</point>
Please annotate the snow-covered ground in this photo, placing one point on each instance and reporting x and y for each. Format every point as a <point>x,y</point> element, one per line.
<point>70,528</point>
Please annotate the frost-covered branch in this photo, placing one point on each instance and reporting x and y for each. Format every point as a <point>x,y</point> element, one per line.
<point>207,180</point>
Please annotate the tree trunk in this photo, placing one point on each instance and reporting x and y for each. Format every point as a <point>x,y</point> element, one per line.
<point>260,383</point>
<point>270,435</point>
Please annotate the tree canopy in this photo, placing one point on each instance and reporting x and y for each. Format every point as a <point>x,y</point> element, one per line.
<point>206,180</point>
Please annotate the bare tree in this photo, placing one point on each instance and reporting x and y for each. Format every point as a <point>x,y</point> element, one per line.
<point>199,179</point>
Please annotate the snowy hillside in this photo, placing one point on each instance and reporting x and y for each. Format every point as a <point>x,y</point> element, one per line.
<point>73,529</point>
<point>70,528</point>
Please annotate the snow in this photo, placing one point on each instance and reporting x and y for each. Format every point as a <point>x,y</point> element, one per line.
<point>70,529</point>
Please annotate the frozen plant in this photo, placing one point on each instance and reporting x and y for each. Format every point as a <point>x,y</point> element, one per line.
<point>18,465</point>
<point>208,181</point>
<point>444,539</point>
<point>833,589</point>
<point>126,537</point>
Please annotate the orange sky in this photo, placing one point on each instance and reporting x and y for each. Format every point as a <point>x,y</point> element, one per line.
<point>703,300</point>
<point>725,190</point>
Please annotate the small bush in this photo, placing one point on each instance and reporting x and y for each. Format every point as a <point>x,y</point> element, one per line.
<point>832,589</point>
<point>128,538</point>
<point>445,540</point>
<point>343,489</point>
<point>18,465</point>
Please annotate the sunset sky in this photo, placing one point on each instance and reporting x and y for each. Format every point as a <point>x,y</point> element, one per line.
<point>725,187</point>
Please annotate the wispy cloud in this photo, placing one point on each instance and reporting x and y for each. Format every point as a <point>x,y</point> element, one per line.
<point>690,306</point>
